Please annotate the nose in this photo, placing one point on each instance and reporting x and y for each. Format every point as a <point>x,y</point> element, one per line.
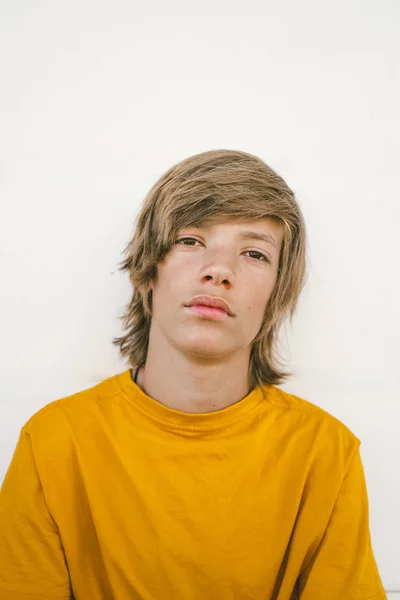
<point>219,268</point>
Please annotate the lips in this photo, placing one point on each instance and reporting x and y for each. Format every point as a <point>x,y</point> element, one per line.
<point>212,302</point>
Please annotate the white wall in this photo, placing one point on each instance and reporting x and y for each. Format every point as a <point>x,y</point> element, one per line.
<point>99,98</point>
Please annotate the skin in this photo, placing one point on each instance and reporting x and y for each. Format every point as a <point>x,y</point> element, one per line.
<point>196,364</point>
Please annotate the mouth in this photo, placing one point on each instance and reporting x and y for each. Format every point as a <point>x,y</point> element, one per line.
<point>208,312</point>
<point>213,302</point>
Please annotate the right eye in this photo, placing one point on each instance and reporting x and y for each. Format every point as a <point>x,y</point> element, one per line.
<point>186,239</point>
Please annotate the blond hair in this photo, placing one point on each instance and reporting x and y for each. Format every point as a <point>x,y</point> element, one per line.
<point>214,187</point>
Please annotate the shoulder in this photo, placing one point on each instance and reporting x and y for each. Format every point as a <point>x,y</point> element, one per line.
<point>308,410</point>
<point>51,428</point>
<point>82,399</point>
<point>327,437</point>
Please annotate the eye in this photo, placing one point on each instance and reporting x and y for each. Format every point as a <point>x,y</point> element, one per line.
<point>189,241</point>
<point>186,239</point>
<point>258,255</point>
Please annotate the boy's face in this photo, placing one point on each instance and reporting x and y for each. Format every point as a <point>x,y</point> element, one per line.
<point>225,261</point>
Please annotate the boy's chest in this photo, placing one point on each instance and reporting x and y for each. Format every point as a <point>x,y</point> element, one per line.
<point>195,525</point>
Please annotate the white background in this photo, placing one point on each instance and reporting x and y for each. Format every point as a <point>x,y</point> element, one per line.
<point>99,98</point>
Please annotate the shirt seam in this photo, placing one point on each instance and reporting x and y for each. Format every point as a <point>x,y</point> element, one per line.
<point>193,427</point>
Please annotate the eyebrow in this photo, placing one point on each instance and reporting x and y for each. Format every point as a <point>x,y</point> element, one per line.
<point>258,236</point>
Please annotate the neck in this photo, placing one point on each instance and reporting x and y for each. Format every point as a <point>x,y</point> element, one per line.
<point>193,384</point>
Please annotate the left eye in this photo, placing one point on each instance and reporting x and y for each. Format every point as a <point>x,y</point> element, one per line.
<point>257,255</point>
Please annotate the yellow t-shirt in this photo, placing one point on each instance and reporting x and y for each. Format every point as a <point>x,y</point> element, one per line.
<point>111,495</point>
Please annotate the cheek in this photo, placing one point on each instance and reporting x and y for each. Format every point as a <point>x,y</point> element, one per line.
<point>176,270</point>
<point>168,288</point>
<point>255,300</point>
<point>256,290</point>
<point>256,309</point>
<point>175,277</point>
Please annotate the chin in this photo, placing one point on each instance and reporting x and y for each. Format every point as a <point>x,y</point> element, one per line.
<point>205,345</point>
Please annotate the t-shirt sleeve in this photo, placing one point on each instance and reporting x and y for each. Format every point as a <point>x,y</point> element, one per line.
<point>344,566</point>
<point>32,561</point>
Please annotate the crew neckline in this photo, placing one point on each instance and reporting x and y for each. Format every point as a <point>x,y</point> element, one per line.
<point>210,420</point>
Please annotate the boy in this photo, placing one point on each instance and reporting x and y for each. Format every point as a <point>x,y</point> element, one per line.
<point>192,476</point>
